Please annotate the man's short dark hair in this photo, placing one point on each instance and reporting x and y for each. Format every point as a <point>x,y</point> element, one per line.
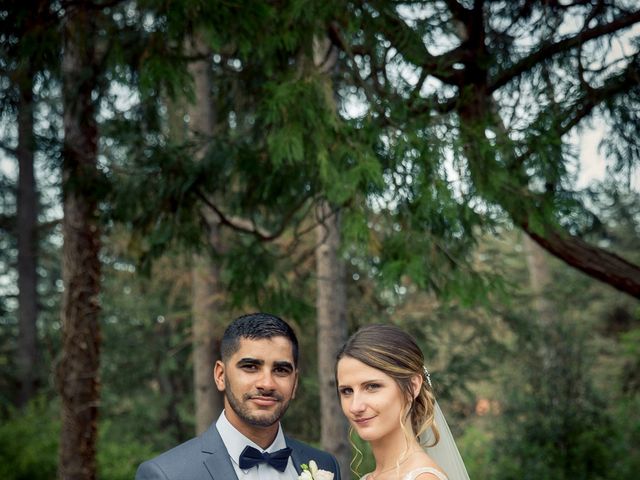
<point>256,326</point>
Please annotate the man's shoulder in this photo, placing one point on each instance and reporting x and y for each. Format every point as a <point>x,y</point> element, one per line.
<point>293,443</point>
<point>174,463</point>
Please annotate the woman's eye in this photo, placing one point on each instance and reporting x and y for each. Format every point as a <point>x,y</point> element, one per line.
<point>345,391</point>
<point>373,386</point>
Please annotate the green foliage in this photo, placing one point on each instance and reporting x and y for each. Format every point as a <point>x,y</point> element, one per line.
<point>476,449</point>
<point>29,442</point>
<point>119,455</point>
<point>145,368</point>
<point>626,443</point>
<point>29,445</point>
<point>554,420</point>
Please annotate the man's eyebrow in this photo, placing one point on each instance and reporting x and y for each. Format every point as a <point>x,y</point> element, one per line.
<point>250,361</point>
<point>283,364</point>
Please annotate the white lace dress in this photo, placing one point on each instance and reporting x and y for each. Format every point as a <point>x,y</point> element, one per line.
<point>414,473</point>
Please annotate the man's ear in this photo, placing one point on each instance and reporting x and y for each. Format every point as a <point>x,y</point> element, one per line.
<point>416,385</point>
<point>218,375</point>
<point>295,384</point>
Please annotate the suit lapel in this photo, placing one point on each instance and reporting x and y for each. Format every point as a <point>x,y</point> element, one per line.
<point>297,456</point>
<point>216,461</point>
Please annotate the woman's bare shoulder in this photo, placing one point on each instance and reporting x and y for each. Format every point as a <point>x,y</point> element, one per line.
<point>422,467</point>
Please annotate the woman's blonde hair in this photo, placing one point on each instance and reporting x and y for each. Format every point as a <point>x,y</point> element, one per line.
<point>392,351</point>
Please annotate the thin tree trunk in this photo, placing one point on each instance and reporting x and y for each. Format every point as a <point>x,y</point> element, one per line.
<point>27,246</point>
<point>77,372</point>
<point>540,282</point>
<point>539,277</point>
<point>331,306</point>
<point>331,300</point>
<point>206,276</point>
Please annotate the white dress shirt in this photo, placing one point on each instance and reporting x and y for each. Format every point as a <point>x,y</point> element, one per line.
<point>235,442</point>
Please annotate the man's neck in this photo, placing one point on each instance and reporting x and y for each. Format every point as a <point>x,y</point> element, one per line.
<point>261,436</point>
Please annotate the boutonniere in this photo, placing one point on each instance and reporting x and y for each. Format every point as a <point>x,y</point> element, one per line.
<point>312,472</point>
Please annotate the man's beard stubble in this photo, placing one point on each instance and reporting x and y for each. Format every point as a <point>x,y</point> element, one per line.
<point>243,412</point>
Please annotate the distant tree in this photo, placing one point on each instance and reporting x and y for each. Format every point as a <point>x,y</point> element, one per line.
<point>29,53</point>
<point>27,213</point>
<point>331,311</point>
<point>208,291</point>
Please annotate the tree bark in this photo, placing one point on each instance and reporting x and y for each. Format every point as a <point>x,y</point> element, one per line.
<point>205,308</point>
<point>331,306</point>
<point>206,303</point>
<point>77,372</point>
<point>27,213</point>
<point>594,261</point>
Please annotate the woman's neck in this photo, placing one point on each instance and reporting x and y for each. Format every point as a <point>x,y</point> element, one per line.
<point>393,449</point>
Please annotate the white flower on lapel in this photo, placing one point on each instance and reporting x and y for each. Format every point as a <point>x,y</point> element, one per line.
<point>312,472</point>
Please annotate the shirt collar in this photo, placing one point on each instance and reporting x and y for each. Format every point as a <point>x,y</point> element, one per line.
<point>235,441</point>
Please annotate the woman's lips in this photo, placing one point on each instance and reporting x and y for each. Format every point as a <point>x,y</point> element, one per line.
<point>363,421</point>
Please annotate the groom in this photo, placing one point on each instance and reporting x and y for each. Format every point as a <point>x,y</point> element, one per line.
<point>258,374</point>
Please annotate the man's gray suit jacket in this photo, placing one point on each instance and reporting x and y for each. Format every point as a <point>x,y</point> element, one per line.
<point>205,458</point>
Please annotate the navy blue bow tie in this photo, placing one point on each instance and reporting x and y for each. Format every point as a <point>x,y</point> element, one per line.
<point>250,457</point>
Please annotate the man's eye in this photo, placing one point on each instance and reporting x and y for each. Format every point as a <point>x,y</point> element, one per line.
<point>281,371</point>
<point>249,367</point>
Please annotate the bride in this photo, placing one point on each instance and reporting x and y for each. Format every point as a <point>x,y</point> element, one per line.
<point>385,392</point>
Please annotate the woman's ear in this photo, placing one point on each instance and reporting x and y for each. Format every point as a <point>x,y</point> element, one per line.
<point>416,385</point>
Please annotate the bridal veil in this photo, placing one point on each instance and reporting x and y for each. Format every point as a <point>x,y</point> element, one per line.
<point>445,453</point>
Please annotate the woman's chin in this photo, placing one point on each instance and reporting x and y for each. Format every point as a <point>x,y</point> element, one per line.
<point>367,434</point>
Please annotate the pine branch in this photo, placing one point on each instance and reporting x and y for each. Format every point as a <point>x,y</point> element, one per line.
<point>412,48</point>
<point>548,50</point>
<point>593,97</point>
<point>594,261</point>
<point>7,223</point>
<point>458,11</point>
<point>243,225</point>
<point>10,150</point>
<point>573,114</point>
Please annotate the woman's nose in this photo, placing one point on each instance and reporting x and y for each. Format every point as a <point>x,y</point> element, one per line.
<point>357,404</point>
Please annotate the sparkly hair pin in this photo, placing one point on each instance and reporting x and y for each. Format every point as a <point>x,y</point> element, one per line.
<point>427,376</point>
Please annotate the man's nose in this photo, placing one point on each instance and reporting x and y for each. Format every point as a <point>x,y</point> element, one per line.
<point>265,381</point>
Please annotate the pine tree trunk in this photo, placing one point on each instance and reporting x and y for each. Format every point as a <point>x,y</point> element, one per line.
<point>331,306</point>
<point>206,276</point>
<point>27,246</point>
<point>544,313</point>
<point>331,300</point>
<point>539,278</point>
<point>77,372</point>
<point>205,309</point>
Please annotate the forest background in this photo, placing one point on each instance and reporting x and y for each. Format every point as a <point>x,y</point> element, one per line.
<point>170,164</point>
